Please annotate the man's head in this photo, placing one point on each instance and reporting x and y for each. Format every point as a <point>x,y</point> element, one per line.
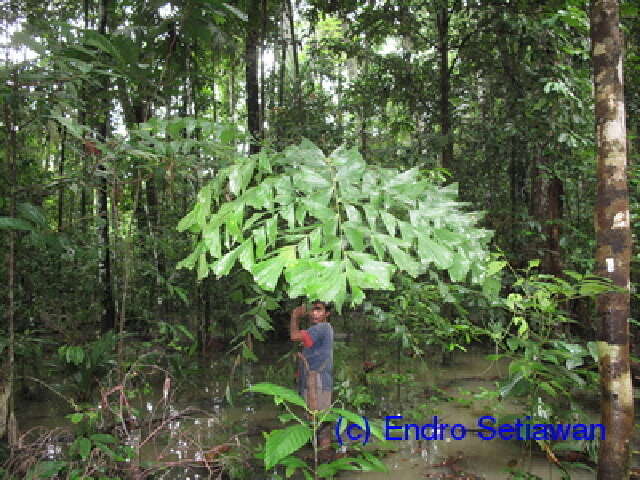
<point>319,312</point>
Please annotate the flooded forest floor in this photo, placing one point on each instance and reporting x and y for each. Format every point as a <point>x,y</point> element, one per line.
<point>187,418</point>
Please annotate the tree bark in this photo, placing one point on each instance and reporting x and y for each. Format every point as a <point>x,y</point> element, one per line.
<point>296,63</point>
<point>7,416</point>
<point>153,219</point>
<point>63,143</point>
<point>251,62</point>
<point>104,268</point>
<point>263,44</point>
<point>613,240</point>
<point>283,63</point>
<point>552,262</point>
<point>442,18</point>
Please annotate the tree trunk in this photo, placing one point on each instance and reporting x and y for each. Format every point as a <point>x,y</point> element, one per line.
<point>83,121</point>
<point>283,63</point>
<point>442,18</point>
<point>104,267</point>
<point>251,61</point>
<point>552,262</point>
<point>232,91</point>
<point>7,417</point>
<point>153,219</point>
<point>213,84</point>
<point>546,206</point>
<point>63,142</point>
<point>263,44</point>
<point>538,205</point>
<point>296,63</point>
<point>613,240</point>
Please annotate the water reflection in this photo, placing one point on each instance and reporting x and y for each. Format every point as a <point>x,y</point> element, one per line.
<point>190,438</point>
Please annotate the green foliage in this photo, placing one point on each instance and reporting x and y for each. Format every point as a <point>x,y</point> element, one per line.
<point>87,364</point>
<point>177,337</point>
<point>325,223</point>
<point>280,444</point>
<point>547,370</point>
<point>415,317</point>
<point>33,220</point>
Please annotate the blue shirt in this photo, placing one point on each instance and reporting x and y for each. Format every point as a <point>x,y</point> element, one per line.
<point>319,356</point>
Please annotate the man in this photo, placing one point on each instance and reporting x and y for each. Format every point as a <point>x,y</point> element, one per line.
<point>315,374</point>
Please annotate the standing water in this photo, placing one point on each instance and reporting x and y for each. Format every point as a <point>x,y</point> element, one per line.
<point>198,426</point>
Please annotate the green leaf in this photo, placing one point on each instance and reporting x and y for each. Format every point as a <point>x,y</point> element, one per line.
<point>246,254</point>
<point>389,223</point>
<point>240,176</point>
<point>272,229</point>
<point>334,289</point>
<point>236,11</point>
<point>404,261</point>
<point>10,223</point>
<point>33,214</point>
<point>191,260</point>
<point>83,445</point>
<point>301,275</point>
<point>263,322</point>
<point>371,214</point>
<point>75,355</point>
<point>292,463</point>
<point>211,238</point>
<point>76,417</point>
<point>315,238</point>
<point>203,266</point>
<point>278,391</point>
<point>574,362</point>
<point>547,388</point>
<point>459,268</point>
<point>188,220</point>
<point>431,251</point>
<point>491,288</point>
<point>267,273</point>
<point>260,238</point>
<point>303,248</point>
<point>281,443</point>
<point>288,213</point>
<point>326,470</point>
<point>318,210</point>
<point>349,163</point>
<point>110,453</point>
<point>224,265</point>
<point>310,179</point>
<point>407,231</point>
<point>354,234</point>
<point>495,267</point>
<point>357,419</point>
<point>48,469</point>
<point>378,274</point>
<point>103,438</point>
<point>352,213</point>
<point>375,463</point>
<point>447,237</point>
<point>95,39</point>
<point>247,354</point>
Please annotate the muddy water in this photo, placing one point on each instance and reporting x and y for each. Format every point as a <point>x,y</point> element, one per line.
<point>470,457</point>
<point>211,421</point>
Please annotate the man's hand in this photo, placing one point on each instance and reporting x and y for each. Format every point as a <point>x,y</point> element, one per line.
<point>296,315</point>
<point>299,312</point>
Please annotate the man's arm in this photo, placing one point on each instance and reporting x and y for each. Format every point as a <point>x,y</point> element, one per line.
<point>295,333</point>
